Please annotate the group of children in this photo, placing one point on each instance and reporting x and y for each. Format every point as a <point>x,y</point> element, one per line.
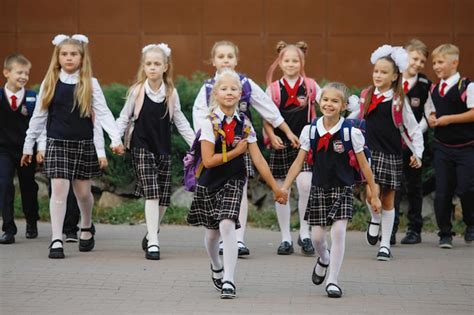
<point>382,134</point>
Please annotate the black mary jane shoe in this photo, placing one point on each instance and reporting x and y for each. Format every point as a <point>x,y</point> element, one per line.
<point>243,249</point>
<point>145,241</point>
<point>56,253</point>
<point>152,255</point>
<point>217,282</point>
<point>87,245</point>
<point>317,280</point>
<point>333,293</point>
<point>228,293</point>
<point>372,240</point>
<point>384,255</point>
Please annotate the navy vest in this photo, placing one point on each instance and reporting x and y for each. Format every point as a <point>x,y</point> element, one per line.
<point>418,95</point>
<point>381,135</point>
<point>13,124</point>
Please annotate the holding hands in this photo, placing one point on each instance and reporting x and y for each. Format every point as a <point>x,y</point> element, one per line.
<point>119,150</point>
<point>281,196</point>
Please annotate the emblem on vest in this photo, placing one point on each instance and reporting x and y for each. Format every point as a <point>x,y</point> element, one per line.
<point>243,106</point>
<point>303,100</point>
<point>24,110</point>
<point>415,102</point>
<point>338,146</point>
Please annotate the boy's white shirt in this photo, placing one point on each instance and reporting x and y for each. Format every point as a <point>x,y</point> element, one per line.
<point>207,129</point>
<point>180,121</point>
<point>259,100</point>
<point>20,94</point>
<point>357,138</point>
<point>103,118</point>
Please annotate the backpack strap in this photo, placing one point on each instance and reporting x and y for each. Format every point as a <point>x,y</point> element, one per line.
<point>397,111</point>
<point>246,87</point>
<point>208,84</point>
<point>432,88</point>
<point>275,92</point>
<point>247,125</point>
<point>462,88</point>
<point>362,98</point>
<point>218,132</point>
<point>311,91</point>
<point>313,133</point>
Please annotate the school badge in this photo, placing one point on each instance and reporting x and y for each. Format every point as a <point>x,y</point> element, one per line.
<point>243,106</point>
<point>415,102</point>
<point>338,146</point>
<point>303,100</point>
<point>24,110</point>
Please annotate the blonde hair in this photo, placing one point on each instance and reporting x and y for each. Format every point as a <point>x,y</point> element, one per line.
<point>417,45</point>
<point>446,50</point>
<point>15,58</point>
<point>224,43</point>
<point>281,48</point>
<point>83,89</point>
<point>225,73</point>
<point>340,87</point>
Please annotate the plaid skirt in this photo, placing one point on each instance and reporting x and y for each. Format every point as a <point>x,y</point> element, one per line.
<point>249,166</point>
<point>71,159</point>
<point>209,208</point>
<point>328,205</point>
<point>281,160</point>
<point>387,169</point>
<point>153,175</point>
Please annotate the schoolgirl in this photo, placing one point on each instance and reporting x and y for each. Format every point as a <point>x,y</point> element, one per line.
<point>219,190</point>
<point>72,107</point>
<point>295,96</point>
<point>389,119</point>
<point>224,55</point>
<point>153,104</point>
<point>330,200</point>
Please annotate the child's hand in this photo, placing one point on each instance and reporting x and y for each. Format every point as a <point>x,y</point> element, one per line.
<point>40,157</point>
<point>119,150</point>
<point>103,163</point>
<point>295,142</point>
<point>277,143</point>
<point>25,160</point>
<point>375,203</point>
<point>415,162</point>
<point>281,196</point>
<point>442,121</point>
<point>241,146</point>
<point>432,120</point>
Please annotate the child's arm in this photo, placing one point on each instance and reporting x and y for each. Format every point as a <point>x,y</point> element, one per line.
<point>180,121</point>
<point>374,192</point>
<point>200,109</point>
<point>295,169</point>
<point>126,112</point>
<point>414,131</point>
<point>99,141</point>
<point>276,141</point>
<point>211,159</point>
<point>466,117</point>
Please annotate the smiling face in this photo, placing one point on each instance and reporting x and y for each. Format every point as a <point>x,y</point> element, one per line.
<point>224,58</point>
<point>290,64</point>
<point>228,92</point>
<point>17,76</point>
<point>70,58</point>
<point>332,104</point>
<point>154,65</point>
<point>384,74</point>
<point>416,63</point>
<point>444,66</point>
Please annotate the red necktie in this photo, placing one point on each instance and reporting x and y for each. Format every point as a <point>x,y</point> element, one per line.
<point>375,101</point>
<point>443,86</point>
<point>405,87</point>
<point>14,106</point>
<point>292,97</point>
<point>324,142</point>
<point>229,129</point>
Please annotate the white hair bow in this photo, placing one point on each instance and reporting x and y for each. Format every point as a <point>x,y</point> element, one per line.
<point>164,47</point>
<point>398,54</point>
<point>58,39</point>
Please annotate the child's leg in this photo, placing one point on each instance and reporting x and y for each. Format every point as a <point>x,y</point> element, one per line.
<point>229,239</point>
<point>244,209</point>
<point>320,243</point>
<point>338,245</point>
<point>211,242</point>
<point>57,208</point>
<point>303,183</point>
<point>162,215</point>
<point>85,201</point>
<point>374,218</point>
<point>7,191</point>
<point>388,216</point>
<point>283,214</point>
<point>29,192</point>
<point>152,218</point>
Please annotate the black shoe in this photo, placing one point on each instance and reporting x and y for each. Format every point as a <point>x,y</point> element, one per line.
<point>372,240</point>
<point>306,245</point>
<point>71,237</point>
<point>317,280</point>
<point>384,255</point>
<point>145,240</point>
<point>285,248</point>
<point>333,292</point>
<point>446,242</point>
<point>7,238</point>
<point>87,245</point>
<point>243,249</point>
<point>31,230</point>
<point>152,255</point>
<point>217,282</point>
<point>469,234</point>
<point>56,253</point>
<point>411,238</point>
<point>228,293</point>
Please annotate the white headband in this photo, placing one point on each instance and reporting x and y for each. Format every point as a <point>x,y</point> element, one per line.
<point>398,54</point>
<point>164,47</point>
<point>58,39</point>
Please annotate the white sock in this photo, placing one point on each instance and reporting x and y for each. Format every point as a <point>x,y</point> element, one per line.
<point>243,214</point>
<point>338,245</point>
<point>57,208</point>
<point>229,239</point>
<point>321,245</point>
<point>375,218</point>
<point>211,243</point>
<point>388,216</point>
<point>303,183</point>
<point>85,201</point>
<point>152,218</point>
<point>283,215</point>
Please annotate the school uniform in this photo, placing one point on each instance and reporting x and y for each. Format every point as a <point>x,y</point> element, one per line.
<point>453,154</point>
<point>332,182</point>
<point>219,190</point>
<point>14,119</point>
<point>151,141</point>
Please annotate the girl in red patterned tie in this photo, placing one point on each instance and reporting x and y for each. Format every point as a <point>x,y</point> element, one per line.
<point>330,201</point>
<point>295,95</point>
<point>389,119</point>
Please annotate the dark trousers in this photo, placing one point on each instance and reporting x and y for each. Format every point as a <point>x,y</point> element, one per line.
<point>9,162</point>
<point>454,171</point>
<point>411,187</point>
<point>73,213</point>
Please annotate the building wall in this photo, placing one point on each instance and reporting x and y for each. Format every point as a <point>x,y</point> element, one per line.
<point>341,34</point>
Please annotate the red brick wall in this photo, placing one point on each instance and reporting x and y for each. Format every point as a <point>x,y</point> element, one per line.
<point>341,33</point>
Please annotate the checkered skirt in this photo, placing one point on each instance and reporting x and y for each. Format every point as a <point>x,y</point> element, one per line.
<point>153,175</point>
<point>387,170</point>
<point>210,207</point>
<point>281,160</point>
<point>328,205</point>
<point>249,166</point>
<point>71,159</point>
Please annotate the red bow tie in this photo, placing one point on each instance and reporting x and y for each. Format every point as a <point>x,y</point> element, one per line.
<point>229,129</point>
<point>375,101</point>
<point>324,142</point>
<point>292,97</point>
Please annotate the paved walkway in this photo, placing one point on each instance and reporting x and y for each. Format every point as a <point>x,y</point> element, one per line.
<point>115,278</point>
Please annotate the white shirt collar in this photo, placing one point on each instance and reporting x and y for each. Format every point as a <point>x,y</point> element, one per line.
<point>411,81</point>
<point>387,94</point>
<point>19,95</point>
<point>67,78</point>
<point>160,94</point>
<point>452,80</point>
<point>221,115</point>
<point>322,131</point>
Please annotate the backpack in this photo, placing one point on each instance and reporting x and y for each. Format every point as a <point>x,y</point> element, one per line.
<point>345,133</point>
<point>244,102</point>
<point>30,100</point>
<point>462,88</point>
<point>193,164</point>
